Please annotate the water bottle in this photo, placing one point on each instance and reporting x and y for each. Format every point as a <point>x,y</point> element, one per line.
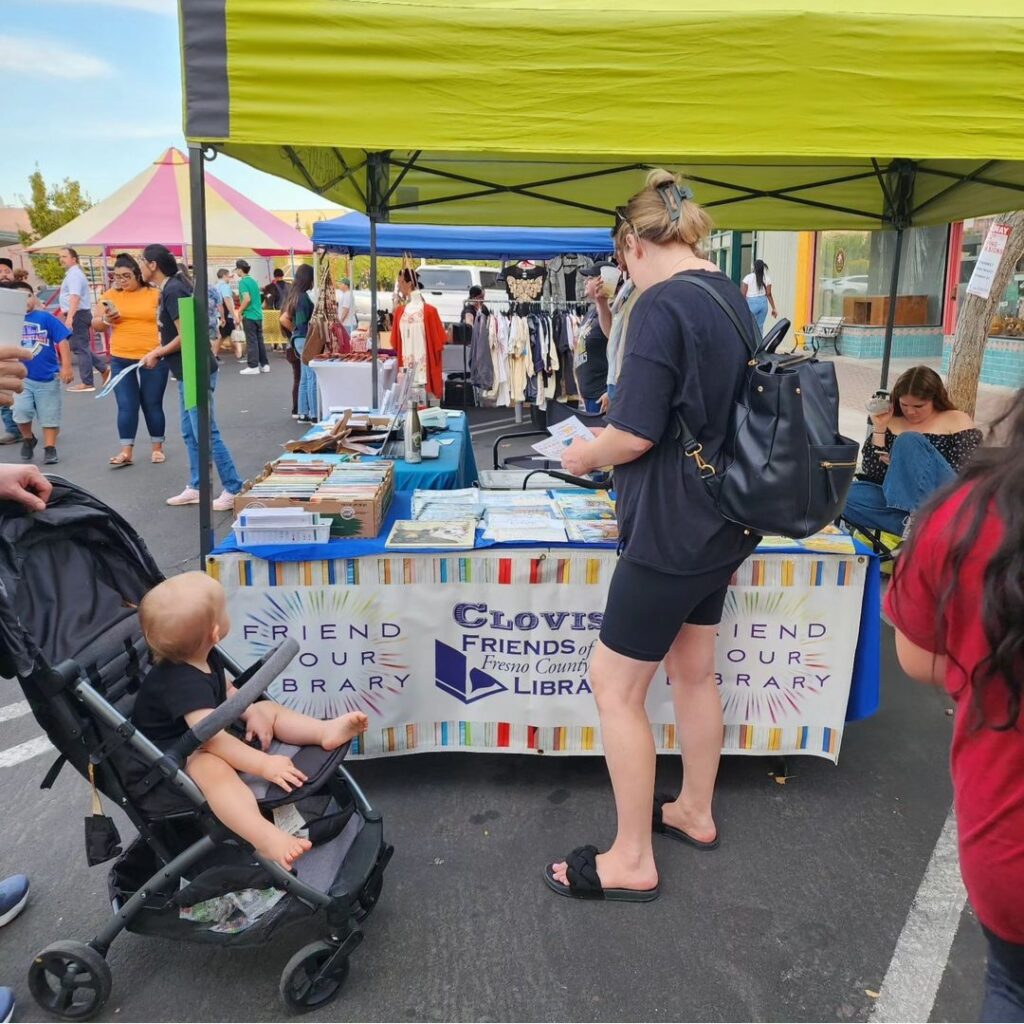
<point>413,434</point>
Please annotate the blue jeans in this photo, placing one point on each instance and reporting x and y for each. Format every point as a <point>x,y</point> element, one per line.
<point>1004,981</point>
<point>591,405</point>
<point>916,471</point>
<point>759,309</point>
<point>143,389</point>
<point>8,417</point>
<point>309,399</point>
<point>229,478</point>
<point>41,401</point>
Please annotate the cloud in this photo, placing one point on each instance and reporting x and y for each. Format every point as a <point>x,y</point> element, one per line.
<point>168,8</point>
<point>37,57</point>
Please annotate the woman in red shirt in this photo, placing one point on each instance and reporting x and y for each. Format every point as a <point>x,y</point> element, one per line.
<point>957,603</point>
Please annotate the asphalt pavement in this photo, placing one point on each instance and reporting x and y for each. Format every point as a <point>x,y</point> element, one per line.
<point>795,918</point>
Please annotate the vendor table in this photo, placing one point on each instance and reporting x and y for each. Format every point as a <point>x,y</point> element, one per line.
<point>350,385</point>
<point>487,650</point>
<point>453,469</point>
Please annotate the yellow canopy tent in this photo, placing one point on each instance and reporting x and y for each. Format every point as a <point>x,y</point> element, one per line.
<point>876,114</point>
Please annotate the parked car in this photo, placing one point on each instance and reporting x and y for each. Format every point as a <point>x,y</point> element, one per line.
<point>446,287</point>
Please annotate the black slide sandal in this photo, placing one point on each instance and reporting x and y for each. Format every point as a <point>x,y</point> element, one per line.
<point>584,883</point>
<point>658,825</point>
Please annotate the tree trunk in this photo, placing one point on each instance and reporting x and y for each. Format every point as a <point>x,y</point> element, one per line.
<point>974,315</point>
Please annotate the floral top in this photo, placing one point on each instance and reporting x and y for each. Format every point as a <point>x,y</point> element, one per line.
<point>956,449</point>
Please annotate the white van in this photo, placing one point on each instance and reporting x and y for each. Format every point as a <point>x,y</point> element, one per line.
<point>446,287</point>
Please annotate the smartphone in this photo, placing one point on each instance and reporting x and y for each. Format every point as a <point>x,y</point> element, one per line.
<point>111,309</point>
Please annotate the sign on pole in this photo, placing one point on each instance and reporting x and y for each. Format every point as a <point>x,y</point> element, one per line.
<point>187,319</point>
<point>989,258</point>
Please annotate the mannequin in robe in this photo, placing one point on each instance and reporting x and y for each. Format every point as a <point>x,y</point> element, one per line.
<point>418,336</point>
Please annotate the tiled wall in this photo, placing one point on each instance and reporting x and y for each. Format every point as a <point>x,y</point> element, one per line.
<point>1002,364</point>
<point>907,342</point>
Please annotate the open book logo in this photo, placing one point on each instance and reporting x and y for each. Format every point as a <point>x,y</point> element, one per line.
<point>450,676</point>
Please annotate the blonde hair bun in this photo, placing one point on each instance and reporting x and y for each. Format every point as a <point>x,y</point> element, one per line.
<point>650,216</point>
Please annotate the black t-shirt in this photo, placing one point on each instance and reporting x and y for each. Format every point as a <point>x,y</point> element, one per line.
<point>173,291</point>
<point>682,353</point>
<point>524,284</point>
<point>592,358</point>
<point>169,692</point>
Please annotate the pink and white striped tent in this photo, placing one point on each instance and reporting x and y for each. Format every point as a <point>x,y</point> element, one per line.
<point>154,207</point>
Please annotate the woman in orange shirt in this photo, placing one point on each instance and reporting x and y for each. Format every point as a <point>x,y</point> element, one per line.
<point>129,310</point>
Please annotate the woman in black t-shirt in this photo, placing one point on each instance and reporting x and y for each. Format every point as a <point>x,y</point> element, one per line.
<point>682,356</point>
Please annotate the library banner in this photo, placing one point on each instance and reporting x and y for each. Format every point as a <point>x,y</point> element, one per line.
<point>489,652</point>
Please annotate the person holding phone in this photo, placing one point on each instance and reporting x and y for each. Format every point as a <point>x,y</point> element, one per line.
<point>129,311</point>
<point>919,441</point>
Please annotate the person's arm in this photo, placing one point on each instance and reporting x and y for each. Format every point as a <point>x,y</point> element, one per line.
<point>923,665</point>
<point>611,447</point>
<point>66,373</point>
<point>153,356</point>
<point>604,312</point>
<point>73,303</point>
<point>743,288</point>
<point>771,299</point>
<point>245,299</point>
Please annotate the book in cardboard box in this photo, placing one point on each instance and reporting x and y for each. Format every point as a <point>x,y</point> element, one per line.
<point>358,508</point>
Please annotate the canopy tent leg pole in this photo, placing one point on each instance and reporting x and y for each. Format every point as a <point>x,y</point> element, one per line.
<point>377,172</point>
<point>374,339</point>
<point>890,320</point>
<point>291,260</point>
<point>197,199</point>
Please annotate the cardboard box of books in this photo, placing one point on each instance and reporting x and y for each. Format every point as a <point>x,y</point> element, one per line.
<point>356,495</point>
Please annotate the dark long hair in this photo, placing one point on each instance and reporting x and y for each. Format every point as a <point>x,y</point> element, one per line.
<point>162,257</point>
<point>924,383</point>
<point>994,481</point>
<point>127,261</point>
<point>301,283</point>
<point>759,268</point>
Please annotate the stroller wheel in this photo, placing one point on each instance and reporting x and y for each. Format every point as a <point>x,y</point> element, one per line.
<point>369,896</point>
<point>313,977</point>
<point>70,980</point>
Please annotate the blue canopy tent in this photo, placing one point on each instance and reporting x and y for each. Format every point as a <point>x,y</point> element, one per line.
<point>351,233</point>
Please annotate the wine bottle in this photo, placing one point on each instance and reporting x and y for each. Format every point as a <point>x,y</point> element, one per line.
<point>413,434</point>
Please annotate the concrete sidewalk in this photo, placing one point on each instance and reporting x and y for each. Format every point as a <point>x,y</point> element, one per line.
<point>858,379</point>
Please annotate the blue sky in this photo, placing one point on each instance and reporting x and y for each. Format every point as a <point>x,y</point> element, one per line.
<point>94,93</point>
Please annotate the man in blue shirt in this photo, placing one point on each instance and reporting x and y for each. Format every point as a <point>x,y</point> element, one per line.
<point>50,365</point>
<point>76,306</point>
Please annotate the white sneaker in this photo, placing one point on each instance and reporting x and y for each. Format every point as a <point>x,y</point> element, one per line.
<point>249,370</point>
<point>189,496</point>
<point>264,369</point>
<point>224,502</point>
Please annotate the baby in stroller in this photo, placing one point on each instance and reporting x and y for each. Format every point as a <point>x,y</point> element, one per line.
<point>183,619</point>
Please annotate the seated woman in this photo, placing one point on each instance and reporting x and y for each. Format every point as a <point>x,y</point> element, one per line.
<point>915,448</point>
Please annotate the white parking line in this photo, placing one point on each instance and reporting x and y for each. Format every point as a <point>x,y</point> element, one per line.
<point>24,751</point>
<point>919,960</point>
<point>491,427</point>
<point>14,711</point>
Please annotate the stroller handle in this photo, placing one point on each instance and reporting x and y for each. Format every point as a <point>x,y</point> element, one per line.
<point>273,664</point>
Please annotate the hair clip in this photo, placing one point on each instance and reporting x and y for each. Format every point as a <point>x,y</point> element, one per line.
<point>673,197</point>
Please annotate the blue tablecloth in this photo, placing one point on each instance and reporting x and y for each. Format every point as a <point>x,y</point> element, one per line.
<point>454,469</point>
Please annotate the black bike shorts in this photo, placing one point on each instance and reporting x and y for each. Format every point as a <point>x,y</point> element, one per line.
<point>646,608</point>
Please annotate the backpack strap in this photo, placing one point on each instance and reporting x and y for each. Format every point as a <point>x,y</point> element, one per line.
<point>691,446</point>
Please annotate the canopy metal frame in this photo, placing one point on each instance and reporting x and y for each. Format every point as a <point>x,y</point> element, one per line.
<point>372,181</point>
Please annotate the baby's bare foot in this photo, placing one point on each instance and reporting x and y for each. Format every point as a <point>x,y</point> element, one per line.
<point>339,731</point>
<point>283,848</point>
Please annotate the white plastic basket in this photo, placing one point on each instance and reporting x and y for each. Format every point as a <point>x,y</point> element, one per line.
<point>255,536</point>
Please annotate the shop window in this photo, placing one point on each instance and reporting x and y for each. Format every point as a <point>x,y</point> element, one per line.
<point>1008,319</point>
<point>853,270</point>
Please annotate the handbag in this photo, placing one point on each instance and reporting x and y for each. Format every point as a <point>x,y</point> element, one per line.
<point>784,468</point>
<point>321,341</point>
<point>238,336</point>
